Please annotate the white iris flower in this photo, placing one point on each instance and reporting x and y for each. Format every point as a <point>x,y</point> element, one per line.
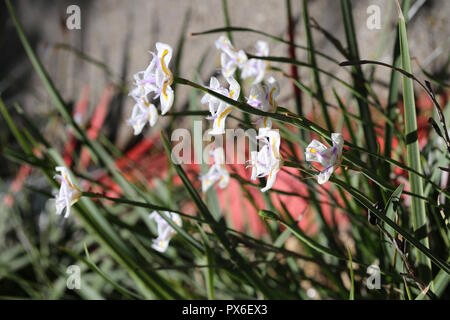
<point>217,172</point>
<point>256,68</point>
<point>165,230</point>
<point>68,193</point>
<point>230,58</point>
<point>330,158</point>
<point>156,81</point>
<point>263,98</point>
<point>219,109</point>
<point>267,161</point>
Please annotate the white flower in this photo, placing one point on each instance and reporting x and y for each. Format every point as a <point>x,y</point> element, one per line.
<point>230,58</point>
<point>217,172</point>
<point>165,230</point>
<point>267,161</point>
<point>220,109</point>
<point>143,112</point>
<point>329,158</point>
<point>157,78</point>
<point>68,194</point>
<point>263,98</point>
<point>213,101</point>
<point>256,68</point>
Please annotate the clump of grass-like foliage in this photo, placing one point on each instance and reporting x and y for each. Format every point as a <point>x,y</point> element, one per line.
<point>403,230</point>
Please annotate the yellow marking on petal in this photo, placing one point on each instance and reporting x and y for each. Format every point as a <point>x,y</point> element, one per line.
<point>207,183</point>
<point>76,198</point>
<point>164,89</point>
<point>66,179</point>
<point>73,187</point>
<point>270,173</point>
<point>167,72</point>
<point>273,149</point>
<point>224,114</point>
<point>271,97</point>
<point>312,150</point>
<point>265,122</point>
<point>231,93</point>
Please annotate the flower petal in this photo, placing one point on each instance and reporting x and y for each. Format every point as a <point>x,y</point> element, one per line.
<point>166,100</point>
<point>314,151</point>
<point>272,176</point>
<point>161,51</point>
<point>235,88</point>
<point>219,120</point>
<point>224,179</point>
<point>325,175</point>
<point>153,115</point>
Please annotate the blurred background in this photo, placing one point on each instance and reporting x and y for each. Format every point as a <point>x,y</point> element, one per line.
<point>120,34</point>
<point>93,66</point>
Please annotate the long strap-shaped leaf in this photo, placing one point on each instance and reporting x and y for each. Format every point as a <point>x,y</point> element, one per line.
<point>368,204</point>
<point>358,79</point>
<point>284,115</point>
<point>405,234</point>
<point>217,228</point>
<point>359,84</point>
<point>151,282</point>
<point>418,213</point>
<point>314,72</point>
<point>392,99</point>
<point>265,34</point>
